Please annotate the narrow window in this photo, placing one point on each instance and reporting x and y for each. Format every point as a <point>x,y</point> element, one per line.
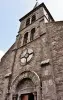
<point>27,21</point>
<point>15,97</point>
<point>33,18</point>
<point>32,34</point>
<point>25,38</point>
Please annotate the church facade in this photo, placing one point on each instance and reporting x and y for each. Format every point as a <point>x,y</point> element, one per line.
<point>32,69</point>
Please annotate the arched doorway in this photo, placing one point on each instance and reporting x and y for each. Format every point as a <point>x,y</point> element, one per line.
<point>26,87</point>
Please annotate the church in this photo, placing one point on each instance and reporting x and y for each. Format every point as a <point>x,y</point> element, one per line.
<point>32,69</point>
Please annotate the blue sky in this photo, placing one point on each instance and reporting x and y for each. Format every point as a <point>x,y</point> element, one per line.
<point>12,10</point>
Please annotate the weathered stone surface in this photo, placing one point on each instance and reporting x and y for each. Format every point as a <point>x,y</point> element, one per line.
<point>43,74</point>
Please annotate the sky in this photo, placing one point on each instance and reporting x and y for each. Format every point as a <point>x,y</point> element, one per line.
<point>12,10</point>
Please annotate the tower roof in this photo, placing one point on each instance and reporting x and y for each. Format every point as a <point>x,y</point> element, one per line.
<point>37,7</point>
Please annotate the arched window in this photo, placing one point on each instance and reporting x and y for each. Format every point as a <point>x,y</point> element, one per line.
<point>32,34</point>
<point>25,38</point>
<point>33,18</point>
<point>27,21</point>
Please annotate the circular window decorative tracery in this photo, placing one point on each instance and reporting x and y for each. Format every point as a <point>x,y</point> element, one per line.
<point>26,56</point>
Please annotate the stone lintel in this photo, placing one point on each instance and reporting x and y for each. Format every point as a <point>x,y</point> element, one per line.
<point>47,61</point>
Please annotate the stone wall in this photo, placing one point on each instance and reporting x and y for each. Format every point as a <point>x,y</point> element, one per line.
<point>5,72</point>
<point>44,72</point>
<point>55,33</point>
<point>42,53</point>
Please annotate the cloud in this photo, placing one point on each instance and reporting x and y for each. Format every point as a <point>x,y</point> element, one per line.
<point>1,54</point>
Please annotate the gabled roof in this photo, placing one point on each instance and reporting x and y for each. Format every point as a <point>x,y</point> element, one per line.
<point>36,8</point>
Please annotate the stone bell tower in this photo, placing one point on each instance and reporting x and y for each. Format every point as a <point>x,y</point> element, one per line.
<point>33,77</point>
<point>29,73</point>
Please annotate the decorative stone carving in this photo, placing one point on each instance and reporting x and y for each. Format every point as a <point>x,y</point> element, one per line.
<point>26,56</point>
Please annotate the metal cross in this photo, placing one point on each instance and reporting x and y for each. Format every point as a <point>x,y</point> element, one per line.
<point>36,0</point>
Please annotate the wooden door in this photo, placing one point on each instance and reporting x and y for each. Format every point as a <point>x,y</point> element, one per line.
<point>24,97</point>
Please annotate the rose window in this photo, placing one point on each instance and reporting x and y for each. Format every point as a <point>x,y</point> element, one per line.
<point>26,56</point>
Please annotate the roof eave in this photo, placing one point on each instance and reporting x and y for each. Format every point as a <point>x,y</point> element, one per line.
<point>42,4</point>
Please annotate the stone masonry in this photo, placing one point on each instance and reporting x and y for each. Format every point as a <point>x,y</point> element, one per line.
<point>36,67</point>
